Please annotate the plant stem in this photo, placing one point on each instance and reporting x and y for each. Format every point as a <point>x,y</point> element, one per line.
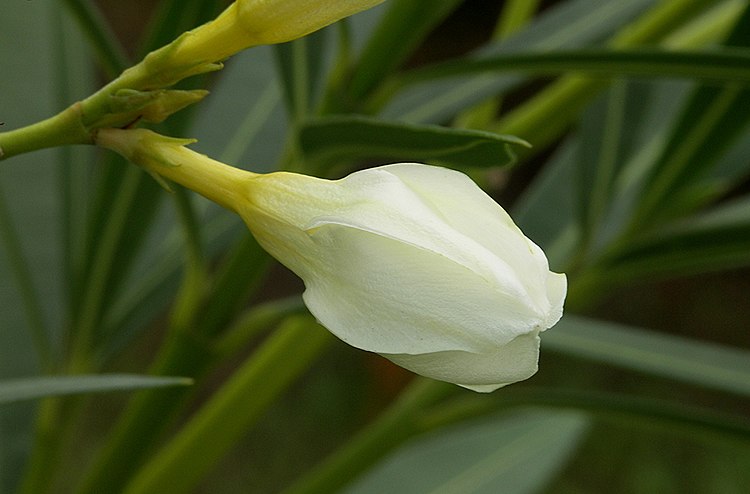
<point>232,410</point>
<point>63,129</point>
<point>401,421</point>
<point>169,158</point>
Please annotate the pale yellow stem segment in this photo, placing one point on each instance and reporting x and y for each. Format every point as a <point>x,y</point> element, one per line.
<point>169,158</point>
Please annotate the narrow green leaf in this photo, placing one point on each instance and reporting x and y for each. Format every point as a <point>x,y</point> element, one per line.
<point>21,274</point>
<point>110,52</point>
<point>517,453</point>
<point>552,190</point>
<point>694,362</point>
<point>247,98</point>
<point>603,129</point>
<point>647,114</point>
<point>712,119</point>
<point>253,322</point>
<point>403,26</point>
<point>718,65</point>
<point>613,136</point>
<point>300,65</point>
<point>12,390</point>
<point>332,140</point>
<point>619,408</point>
<point>570,24</point>
<point>75,76</point>
<point>715,240</point>
<point>515,15</point>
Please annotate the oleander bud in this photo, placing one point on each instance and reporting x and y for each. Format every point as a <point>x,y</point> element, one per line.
<point>247,23</point>
<point>410,261</point>
<point>416,263</point>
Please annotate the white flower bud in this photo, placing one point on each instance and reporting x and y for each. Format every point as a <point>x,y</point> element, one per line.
<point>410,261</point>
<point>416,263</point>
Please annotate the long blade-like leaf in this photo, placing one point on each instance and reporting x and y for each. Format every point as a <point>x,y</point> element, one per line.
<point>329,140</point>
<point>711,121</point>
<point>712,241</point>
<point>702,363</point>
<point>571,24</point>
<point>399,32</point>
<point>716,65</point>
<point>30,388</point>
<point>300,64</point>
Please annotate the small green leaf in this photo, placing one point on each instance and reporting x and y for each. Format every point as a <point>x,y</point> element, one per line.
<point>331,140</point>
<point>12,390</point>
<point>691,361</point>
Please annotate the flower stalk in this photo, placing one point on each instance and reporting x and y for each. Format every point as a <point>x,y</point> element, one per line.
<point>140,92</point>
<point>169,158</point>
<point>63,129</point>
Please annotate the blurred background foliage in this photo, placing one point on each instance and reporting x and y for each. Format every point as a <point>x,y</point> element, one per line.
<point>635,184</point>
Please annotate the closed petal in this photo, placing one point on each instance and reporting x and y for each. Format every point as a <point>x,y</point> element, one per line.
<point>557,288</point>
<point>386,296</point>
<point>467,209</point>
<point>389,207</point>
<point>482,372</point>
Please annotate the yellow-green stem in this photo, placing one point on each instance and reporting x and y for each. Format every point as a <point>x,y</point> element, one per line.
<point>63,129</point>
<point>169,158</point>
<point>181,464</point>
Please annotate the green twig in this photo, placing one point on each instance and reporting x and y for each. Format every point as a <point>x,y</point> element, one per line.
<point>65,128</point>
